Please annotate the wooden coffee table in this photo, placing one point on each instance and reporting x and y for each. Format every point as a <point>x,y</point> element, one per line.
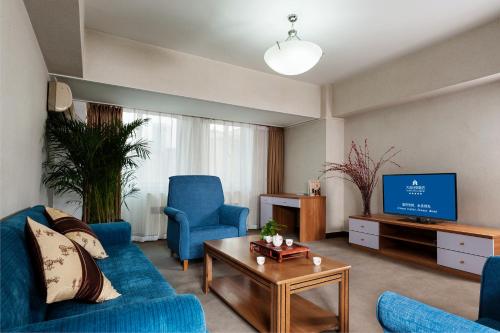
<point>266,296</point>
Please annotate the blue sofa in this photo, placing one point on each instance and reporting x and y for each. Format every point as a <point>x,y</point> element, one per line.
<point>148,303</point>
<point>397,313</point>
<point>196,213</point>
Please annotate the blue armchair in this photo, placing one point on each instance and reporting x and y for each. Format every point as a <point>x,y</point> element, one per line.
<point>196,213</point>
<point>397,313</point>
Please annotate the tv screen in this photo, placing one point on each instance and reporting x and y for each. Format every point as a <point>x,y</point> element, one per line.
<point>432,196</point>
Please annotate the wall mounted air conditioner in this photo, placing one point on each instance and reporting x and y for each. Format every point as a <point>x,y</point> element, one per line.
<point>59,97</point>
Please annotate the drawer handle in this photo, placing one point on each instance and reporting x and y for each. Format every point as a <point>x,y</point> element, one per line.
<point>362,226</point>
<point>462,243</point>
<point>462,262</point>
<point>362,239</point>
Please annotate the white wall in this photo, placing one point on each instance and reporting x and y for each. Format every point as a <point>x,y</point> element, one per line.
<point>23,110</point>
<point>304,155</point>
<point>458,132</point>
<point>128,63</point>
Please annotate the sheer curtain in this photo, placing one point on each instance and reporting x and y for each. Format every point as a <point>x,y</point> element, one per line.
<point>182,145</point>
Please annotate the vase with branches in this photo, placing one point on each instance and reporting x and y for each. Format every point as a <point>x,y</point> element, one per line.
<point>362,170</point>
<point>95,162</point>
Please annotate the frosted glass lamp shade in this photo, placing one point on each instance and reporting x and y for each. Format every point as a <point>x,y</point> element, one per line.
<point>293,57</point>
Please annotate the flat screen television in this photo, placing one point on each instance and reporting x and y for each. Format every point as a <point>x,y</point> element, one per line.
<point>424,197</point>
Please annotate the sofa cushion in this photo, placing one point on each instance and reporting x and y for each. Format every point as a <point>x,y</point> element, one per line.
<point>204,233</point>
<point>76,230</point>
<point>130,272</point>
<point>21,301</point>
<point>65,269</point>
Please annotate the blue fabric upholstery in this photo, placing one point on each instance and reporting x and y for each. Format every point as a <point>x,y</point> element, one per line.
<point>148,302</point>
<point>201,234</point>
<point>117,233</point>
<point>489,304</point>
<point>398,313</point>
<point>196,213</point>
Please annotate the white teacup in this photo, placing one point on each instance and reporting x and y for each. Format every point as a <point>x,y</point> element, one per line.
<point>289,242</point>
<point>317,261</point>
<point>268,239</point>
<point>261,260</point>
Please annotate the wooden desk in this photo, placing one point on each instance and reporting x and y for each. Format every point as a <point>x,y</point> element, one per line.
<point>287,208</point>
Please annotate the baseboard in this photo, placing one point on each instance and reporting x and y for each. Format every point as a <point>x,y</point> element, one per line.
<point>336,234</point>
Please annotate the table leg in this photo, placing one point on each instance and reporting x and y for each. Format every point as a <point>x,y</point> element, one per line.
<point>344,302</point>
<point>207,272</point>
<point>280,308</point>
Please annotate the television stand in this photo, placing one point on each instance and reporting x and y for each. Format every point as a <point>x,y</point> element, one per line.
<point>455,248</point>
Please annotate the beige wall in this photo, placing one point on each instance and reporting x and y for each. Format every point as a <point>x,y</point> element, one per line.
<point>304,154</point>
<point>307,147</point>
<point>470,58</point>
<point>23,110</point>
<point>128,63</point>
<point>458,132</point>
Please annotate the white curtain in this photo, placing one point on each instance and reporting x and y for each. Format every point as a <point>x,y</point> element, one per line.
<point>181,145</point>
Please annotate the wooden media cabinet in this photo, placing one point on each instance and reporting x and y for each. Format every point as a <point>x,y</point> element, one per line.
<point>455,248</point>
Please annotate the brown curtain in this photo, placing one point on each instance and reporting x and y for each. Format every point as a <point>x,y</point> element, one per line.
<point>100,114</point>
<point>275,160</point>
<point>103,113</point>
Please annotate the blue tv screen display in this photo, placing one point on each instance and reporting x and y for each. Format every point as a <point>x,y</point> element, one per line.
<point>421,195</point>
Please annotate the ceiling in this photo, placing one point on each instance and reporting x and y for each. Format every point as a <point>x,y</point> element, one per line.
<point>354,34</point>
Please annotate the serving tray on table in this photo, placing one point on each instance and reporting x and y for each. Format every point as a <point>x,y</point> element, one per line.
<point>279,253</point>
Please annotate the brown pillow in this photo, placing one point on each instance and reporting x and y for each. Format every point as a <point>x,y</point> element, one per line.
<point>66,269</point>
<point>76,230</point>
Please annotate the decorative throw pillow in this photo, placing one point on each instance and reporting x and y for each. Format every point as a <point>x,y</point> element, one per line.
<point>65,268</point>
<point>76,230</point>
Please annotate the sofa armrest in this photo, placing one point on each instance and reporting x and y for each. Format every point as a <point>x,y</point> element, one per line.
<point>490,289</point>
<point>236,216</point>
<point>182,313</point>
<point>180,231</point>
<point>397,313</point>
<point>113,233</point>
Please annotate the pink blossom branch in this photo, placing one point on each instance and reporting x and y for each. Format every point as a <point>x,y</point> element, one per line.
<point>361,170</point>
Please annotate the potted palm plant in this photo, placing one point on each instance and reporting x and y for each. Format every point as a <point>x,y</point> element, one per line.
<point>95,162</point>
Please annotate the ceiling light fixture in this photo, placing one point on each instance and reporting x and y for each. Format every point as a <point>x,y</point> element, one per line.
<point>293,56</point>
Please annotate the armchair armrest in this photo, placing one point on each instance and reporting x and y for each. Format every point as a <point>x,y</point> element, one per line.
<point>397,313</point>
<point>490,289</point>
<point>236,216</point>
<point>182,313</point>
<point>113,233</point>
<point>179,231</point>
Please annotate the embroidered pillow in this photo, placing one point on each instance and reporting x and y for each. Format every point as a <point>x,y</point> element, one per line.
<point>65,268</point>
<point>76,230</point>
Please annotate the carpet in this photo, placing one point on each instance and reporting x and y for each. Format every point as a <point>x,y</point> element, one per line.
<point>370,275</point>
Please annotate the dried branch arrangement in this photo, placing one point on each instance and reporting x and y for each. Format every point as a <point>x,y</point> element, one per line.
<point>361,170</point>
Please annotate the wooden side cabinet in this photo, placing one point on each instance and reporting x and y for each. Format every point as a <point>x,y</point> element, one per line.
<point>455,248</point>
<point>302,213</point>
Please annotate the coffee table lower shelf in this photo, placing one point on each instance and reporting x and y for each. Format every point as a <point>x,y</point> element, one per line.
<point>252,302</point>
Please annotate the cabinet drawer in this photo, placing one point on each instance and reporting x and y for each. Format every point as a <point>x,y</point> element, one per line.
<point>462,261</point>
<point>362,239</point>
<point>368,227</point>
<point>266,200</point>
<point>288,202</point>
<point>467,244</point>
<point>281,201</point>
